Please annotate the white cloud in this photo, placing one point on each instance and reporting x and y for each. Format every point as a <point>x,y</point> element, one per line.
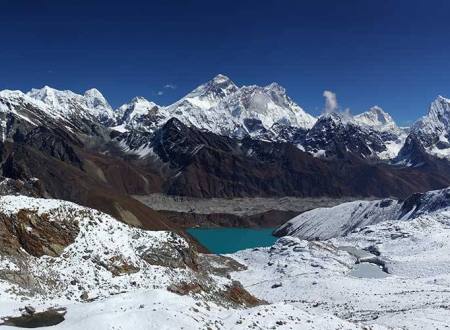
<point>170,86</point>
<point>160,93</point>
<point>331,104</point>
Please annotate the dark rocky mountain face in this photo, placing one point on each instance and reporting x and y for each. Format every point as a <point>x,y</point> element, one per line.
<point>90,179</point>
<point>335,136</point>
<point>70,166</point>
<point>204,164</point>
<point>192,162</point>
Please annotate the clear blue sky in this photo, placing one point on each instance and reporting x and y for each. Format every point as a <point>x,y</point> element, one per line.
<point>392,53</point>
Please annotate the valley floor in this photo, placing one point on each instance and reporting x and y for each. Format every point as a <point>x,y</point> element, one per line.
<point>248,212</point>
<point>237,206</point>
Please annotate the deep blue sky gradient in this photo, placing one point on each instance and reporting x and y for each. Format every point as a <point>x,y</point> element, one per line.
<point>392,53</point>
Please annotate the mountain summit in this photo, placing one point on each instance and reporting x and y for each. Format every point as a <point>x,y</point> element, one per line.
<point>91,105</point>
<point>220,106</point>
<point>376,118</point>
<point>430,134</point>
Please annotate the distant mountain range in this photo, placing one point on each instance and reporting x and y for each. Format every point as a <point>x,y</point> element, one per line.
<point>220,140</point>
<point>263,113</point>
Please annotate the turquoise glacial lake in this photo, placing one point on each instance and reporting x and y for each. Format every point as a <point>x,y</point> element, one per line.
<point>229,240</point>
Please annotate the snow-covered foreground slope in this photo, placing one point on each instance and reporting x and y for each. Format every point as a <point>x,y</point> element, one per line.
<point>403,245</point>
<point>322,276</point>
<point>325,223</point>
<point>160,309</point>
<point>104,274</point>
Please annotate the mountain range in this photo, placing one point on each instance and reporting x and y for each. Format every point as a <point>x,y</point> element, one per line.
<point>220,140</point>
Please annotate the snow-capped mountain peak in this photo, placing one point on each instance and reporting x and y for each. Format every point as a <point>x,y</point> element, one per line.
<point>437,117</point>
<point>222,107</point>
<point>69,104</point>
<point>269,104</point>
<point>337,117</point>
<point>96,100</point>
<point>432,132</point>
<point>48,95</point>
<point>207,95</point>
<point>221,79</point>
<point>275,87</point>
<point>138,106</point>
<point>372,134</point>
<point>440,111</point>
<point>376,118</point>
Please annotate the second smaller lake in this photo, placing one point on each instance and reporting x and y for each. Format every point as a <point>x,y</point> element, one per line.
<point>230,240</point>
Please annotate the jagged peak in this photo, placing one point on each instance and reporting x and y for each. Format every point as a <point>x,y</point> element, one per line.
<point>140,99</point>
<point>377,118</point>
<point>334,116</point>
<point>219,81</point>
<point>47,91</point>
<point>52,96</point>
<point>137,107</point>
<point>442,98</point>
<point>438,113</point>
<point>94,92</point>
<point>276,87</point>
<point>221,78</point>
<point>173,124</point>
<point>95,99</point>
<point>207,95</point>
<point>439,103</point>
<point>45,88</point>
<point>377,109</point>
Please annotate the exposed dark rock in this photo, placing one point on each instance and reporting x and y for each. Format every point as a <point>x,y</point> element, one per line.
<point>184,288</point>
<point>36,320</point>
<point>30,309</point>
<point>166,256</point>
<point>117,266</point>
<point>218,264</point>
<point>35,234</point>
<point>209,165</point>
<point>237,294</point>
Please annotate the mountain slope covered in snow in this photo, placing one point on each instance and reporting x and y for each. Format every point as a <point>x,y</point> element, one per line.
<point>85,269</point>
<point>340,220</point>
<point>221,107</point>
<point>391,270</point>
<point>429,134</point>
